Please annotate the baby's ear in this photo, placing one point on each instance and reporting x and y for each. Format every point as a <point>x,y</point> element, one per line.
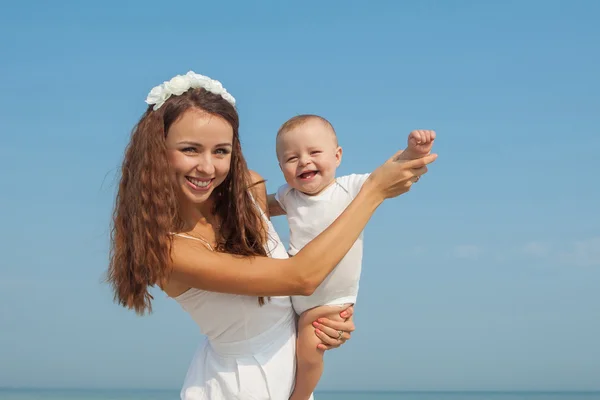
<point>338,156</point>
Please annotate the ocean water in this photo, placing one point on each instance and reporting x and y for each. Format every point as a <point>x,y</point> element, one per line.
<point>73,394</point>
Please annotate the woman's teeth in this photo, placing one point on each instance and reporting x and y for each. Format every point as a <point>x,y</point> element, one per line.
<point>198,183</point>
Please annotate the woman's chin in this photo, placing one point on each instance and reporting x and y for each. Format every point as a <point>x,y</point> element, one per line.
<point>195,197</point>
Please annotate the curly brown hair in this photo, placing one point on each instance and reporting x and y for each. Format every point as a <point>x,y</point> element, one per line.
<point>146,207</point>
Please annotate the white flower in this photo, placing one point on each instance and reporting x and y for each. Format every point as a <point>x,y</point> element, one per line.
<point>182,83</point>
<point>195,79</point>
<point>178,85</point>
<point>157,96</point>
<point>228,97</point>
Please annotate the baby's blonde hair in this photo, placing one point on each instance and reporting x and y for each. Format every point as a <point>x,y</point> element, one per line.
<point>300,120</point>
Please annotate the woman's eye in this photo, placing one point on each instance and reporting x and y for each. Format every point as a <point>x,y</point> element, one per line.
<point>188,150</point>
<point>222,151</point>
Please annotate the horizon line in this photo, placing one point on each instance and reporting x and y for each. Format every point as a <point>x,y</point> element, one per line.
<point>73,388</point>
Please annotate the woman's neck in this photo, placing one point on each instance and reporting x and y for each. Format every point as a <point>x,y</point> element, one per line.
<point>193,214</point>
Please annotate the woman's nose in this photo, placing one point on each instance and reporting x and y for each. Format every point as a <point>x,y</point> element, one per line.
<point>205,164</point>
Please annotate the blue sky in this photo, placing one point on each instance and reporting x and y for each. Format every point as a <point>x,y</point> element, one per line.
<point>485,276</point>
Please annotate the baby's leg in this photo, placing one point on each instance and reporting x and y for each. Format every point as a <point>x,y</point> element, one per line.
<point>309,358</point>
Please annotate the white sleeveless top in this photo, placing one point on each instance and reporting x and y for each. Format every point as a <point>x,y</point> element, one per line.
<point>249,351</point>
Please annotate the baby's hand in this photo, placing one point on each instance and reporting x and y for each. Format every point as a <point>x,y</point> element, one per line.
<point>419,143</point>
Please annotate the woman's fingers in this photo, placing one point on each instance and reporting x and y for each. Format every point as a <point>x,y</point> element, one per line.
<point>396,176</point>
<point>419,171</point>
<point>334,326</point>
<point>419,162</point>
<point>329,342</point>
<point>324,347</point>
<point>348,312</point>
<point>333,333</point>
<point>328,338</point>
<point>333,336</point>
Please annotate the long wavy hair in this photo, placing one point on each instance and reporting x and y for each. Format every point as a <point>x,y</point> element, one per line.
<point>146,207</point>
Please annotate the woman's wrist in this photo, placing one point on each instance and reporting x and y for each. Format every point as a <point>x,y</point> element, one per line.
<point>370,196</point>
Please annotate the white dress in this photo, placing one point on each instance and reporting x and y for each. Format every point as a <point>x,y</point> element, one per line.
<point>250,351</point>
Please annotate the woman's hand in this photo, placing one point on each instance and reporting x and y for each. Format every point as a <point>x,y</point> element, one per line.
<point>333,334</point>
<point>396,176</point>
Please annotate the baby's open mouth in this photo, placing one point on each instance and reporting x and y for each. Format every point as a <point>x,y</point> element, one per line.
<point>308,174</point>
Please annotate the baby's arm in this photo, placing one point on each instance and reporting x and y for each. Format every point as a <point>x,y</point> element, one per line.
<point>275,208</point>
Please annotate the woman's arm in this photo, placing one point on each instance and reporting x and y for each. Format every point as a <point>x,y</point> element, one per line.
<point>196,266</point>
<point>201,268</point>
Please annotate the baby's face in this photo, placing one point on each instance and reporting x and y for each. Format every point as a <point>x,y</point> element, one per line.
<point>308,156</point>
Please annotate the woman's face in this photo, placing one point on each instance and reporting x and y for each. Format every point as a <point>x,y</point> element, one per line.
<point>199,149</point>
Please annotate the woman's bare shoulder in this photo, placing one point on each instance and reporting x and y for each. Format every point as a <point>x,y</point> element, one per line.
<point>258,189</point>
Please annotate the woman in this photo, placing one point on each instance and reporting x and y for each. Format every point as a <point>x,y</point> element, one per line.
<point>190,217</point>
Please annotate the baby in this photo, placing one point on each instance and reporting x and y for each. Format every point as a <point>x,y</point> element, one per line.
<point>309,154</point>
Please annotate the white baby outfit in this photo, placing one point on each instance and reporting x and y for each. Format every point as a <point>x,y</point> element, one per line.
<point>307,217</point>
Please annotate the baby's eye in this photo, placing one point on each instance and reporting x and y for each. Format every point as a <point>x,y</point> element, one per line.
<point>316,152</point>
<point>292,159</point>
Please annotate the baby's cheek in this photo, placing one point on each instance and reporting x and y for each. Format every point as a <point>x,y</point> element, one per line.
<point>289,173</point>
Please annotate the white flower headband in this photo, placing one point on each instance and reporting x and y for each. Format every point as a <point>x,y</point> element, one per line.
<point>182,83</point>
